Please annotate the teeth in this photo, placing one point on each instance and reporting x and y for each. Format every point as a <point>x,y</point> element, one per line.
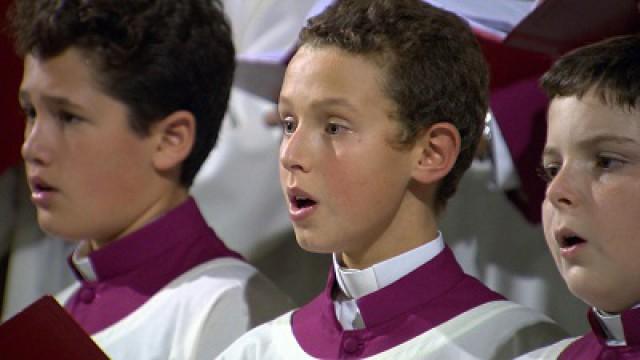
<point>300,198</point>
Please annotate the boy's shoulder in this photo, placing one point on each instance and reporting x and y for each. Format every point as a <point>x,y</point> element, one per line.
<point>272,340</point>
<point>552,351</point>
<point>206,308</point>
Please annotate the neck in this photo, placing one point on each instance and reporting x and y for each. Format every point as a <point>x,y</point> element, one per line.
<point>155,209</point>
<point>413,224</point>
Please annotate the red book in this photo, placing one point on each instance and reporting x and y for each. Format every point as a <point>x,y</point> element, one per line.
<point>45,330</point>
<point>556,26</point>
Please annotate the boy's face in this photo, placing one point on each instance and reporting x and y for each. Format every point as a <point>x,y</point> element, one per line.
<point>86,168</point>
<point>345,184</point>
<point>592,205</point>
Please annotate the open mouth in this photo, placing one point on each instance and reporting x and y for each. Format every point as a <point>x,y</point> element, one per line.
<point>301,202</point>
<point>41,187</point>
<point>571,241</point>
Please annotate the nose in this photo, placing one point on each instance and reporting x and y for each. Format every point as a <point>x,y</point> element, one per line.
<point>562,190</point>
<point>294,151</point>
<point>35,148</point>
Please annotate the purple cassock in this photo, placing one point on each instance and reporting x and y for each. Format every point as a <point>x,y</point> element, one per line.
<point>170,290</point>
<point>434,312</point>
<point>594,346</point>
<point>131,270</point>
<point>404,306</point>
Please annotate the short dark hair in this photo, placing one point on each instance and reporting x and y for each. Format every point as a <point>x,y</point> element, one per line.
<point>434,68</point>
<point>155,56</point>
<point>610,68</point>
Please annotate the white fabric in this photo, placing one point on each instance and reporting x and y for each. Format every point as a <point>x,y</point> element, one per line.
<point>498,18</point>
<point>463,337</point>
<point>612,324</point>
<point>550,352</point>
<point>195,316</point>
<point>348,314</point>
<point>82,263</point>
<point>242,171</point>
<point>356,283</point>
<point>504,171</point>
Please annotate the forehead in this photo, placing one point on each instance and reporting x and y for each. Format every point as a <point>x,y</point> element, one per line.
<point>69,72</point>
<point>573,119</point>
<point>327,71</point>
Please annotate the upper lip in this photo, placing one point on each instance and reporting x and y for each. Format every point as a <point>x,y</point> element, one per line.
<point>37,184</point>
<point>294,193</point>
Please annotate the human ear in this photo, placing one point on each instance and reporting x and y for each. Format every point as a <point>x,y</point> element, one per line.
<point>174,138</point>
<point>437,149</point>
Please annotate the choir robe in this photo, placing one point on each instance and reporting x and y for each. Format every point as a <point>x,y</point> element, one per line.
<point>434,312</point>
<point>171,290</point>
<point>593,345</point>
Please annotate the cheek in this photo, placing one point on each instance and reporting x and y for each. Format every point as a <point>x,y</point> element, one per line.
<point>547,222</point>
<point>344,186</point>
<point>117,168</point>
<point>361,190</point>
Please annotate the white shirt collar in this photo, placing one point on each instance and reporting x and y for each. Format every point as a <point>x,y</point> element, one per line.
<point>356,283</point>
<point>82,263</point>
<point>612,325</point>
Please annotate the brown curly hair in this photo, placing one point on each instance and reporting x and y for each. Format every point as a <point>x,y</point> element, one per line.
<point>155,56</point>
<point>435,70</point>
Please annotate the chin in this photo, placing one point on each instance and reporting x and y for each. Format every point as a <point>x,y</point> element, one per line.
<point>60,232</point>
<point>594,296</point>
<point>308,244</point>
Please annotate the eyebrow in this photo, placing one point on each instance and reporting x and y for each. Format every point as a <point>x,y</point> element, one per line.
<point>618,139</point>
<point>23,96</point>
<point>326,102</point>
<point>597,139</point>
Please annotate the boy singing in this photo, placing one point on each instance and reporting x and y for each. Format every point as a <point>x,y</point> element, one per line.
<point>382,107</point>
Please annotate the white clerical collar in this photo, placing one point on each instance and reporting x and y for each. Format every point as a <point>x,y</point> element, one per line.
<point>612,326</point>
<point>356,283</point>
<point>82,263</point>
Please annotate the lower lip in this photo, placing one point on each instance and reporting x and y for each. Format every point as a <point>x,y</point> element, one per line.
<point>297,215</point>
<point>42,199</point>
<point>571,251</point>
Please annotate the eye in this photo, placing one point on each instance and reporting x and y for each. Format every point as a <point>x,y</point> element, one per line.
<point>29,113</point>
<point>548,171</point>
<point>288,125</point>
<point>606,162</point>
<point>333,128</point>
<point>68,118</point>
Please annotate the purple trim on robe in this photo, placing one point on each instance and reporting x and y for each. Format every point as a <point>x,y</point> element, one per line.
<point>132,269</point>
<point>593,345</point>
<point>425,298</point>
